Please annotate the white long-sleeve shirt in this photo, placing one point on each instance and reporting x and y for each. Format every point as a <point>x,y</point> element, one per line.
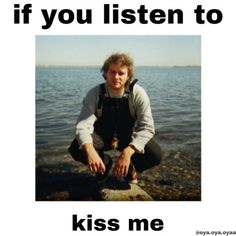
<point>139,105</point>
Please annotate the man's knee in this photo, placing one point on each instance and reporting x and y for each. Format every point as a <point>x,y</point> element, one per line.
<point>75,151</point>
<point>154,152</point>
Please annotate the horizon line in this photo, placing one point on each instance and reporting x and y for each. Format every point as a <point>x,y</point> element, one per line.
<point>41,65</point>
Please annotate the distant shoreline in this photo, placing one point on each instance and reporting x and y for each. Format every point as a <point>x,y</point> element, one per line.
<point>94,66</point>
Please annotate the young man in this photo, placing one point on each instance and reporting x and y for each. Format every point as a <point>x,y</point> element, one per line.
<point>116,114</point>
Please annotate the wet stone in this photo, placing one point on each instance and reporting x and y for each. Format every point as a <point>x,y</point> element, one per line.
<point>131,192</point>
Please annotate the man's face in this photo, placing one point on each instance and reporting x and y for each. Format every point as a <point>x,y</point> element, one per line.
<point>117,76</point>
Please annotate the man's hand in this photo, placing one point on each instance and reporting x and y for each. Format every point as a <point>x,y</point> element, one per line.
<point>95,163</point>
<point>122,164</point>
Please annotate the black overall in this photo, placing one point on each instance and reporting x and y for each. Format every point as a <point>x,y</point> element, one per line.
<point>116,121</point>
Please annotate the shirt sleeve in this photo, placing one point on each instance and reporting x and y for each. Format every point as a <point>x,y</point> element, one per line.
<point>84,126</point>
<point>144,128</point>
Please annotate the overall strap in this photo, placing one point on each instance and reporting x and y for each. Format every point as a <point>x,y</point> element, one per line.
<point>131,86</point>
<point>101,95</point>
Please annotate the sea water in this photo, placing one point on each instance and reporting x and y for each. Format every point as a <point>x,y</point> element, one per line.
<point>174,92</point>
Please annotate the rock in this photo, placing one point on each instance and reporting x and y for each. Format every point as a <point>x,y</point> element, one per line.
<point>133,193</point>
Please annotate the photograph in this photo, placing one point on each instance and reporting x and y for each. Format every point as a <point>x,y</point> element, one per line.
<point>118,118</point>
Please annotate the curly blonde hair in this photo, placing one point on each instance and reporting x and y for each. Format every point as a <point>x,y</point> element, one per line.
<point>119,58</point>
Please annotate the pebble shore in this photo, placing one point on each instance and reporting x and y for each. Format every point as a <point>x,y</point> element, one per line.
<point>60,178</point>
